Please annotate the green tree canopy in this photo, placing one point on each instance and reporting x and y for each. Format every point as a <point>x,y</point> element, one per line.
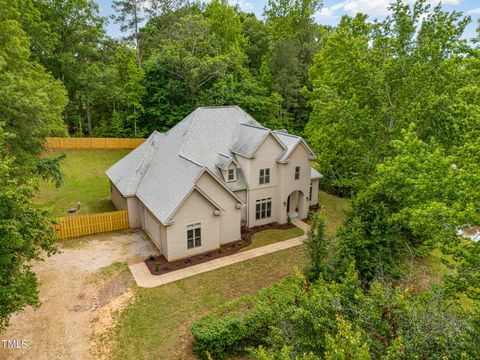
<point>371,80</point>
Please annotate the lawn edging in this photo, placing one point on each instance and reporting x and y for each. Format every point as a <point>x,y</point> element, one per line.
<point>159,265</point>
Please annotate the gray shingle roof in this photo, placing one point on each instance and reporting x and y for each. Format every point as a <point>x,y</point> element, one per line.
<point>164,169</point>
<point>223,161</point>
<point>127,173</point>
<point>291,142</point>
<point>314,174</point>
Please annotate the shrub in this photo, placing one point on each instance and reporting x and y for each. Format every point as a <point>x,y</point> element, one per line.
<point>317,245</point>
<point>245,322</point>
<point>158,264</point>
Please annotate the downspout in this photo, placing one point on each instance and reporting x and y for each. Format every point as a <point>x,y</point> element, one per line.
<point>248,207</point>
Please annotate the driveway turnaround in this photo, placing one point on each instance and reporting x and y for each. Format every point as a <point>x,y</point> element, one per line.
<point>145,279</point>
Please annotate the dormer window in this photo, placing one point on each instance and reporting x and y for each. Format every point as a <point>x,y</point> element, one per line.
<point>232,175</point>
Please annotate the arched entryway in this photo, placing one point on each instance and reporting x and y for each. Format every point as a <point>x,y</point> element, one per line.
<point>296,205</point>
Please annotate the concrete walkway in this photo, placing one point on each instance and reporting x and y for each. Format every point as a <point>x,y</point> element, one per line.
<point>145,279</point>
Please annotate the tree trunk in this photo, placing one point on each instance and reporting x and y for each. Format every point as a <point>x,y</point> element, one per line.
<point>134,122</point>
<point>137,45</point>
<point>89,115</point>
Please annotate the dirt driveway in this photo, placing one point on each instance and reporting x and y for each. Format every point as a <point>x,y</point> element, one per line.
<point>80,288</point>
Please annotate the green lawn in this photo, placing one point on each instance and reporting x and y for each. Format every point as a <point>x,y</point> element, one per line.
<point>267,237</point>
<point>333,208</point>
<point>85,181</point>
<point>157,324</point>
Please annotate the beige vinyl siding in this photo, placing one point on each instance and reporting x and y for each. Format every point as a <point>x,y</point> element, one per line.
<point>134,212</point>
<point>245,166</point>
<point>163,240</point>
<point>117,199</point>
<point>242,195</point>
<point>195,209</point>
<point>152,228</point>
<point>230,219</point>
<point>130,203</point>
<point>314,199</point>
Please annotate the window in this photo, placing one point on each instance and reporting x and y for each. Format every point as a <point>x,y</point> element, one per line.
<point>297,172</point>
<point>264,176</point>
<point>194,236</point>
<point>310,194</point>
<point>231,175</point>
<point>263,208</point>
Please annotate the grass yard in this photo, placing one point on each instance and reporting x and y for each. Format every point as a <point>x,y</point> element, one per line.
<point>156,325</point>
<point>267,237</point>
<point>333,208</point>
<point>85,181</point>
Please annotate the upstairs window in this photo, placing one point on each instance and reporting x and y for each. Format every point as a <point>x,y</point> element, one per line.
<point>297,172</point>
<point>264,177</point>
<point>194,236</point>
<point>232,175</point>
<point>263,208</point>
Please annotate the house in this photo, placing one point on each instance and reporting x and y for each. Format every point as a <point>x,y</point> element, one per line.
<point>193,187</point>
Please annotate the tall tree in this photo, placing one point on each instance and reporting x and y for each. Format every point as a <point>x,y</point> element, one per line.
<point>416,202</point>
<point>31,105</point>
<point>31,101</point>
<point>25,232</point>
<point>295,39</point>
<point>197,58</point>
<point>76,31</point>
<point>370,80</point>
<point>130,14</point>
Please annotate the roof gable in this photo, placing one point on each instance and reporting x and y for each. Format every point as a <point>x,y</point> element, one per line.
<point>250,138</point>
<point>292,142</point>
<point>164,169</point>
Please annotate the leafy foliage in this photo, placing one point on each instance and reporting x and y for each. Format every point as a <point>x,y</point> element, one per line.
<point>318,246</point>
<point>339,320</point>
<point>244,322</point>
<point>25,232</point>
<point>371,80</point>
<point>418,199</point>
<point>31,101</point>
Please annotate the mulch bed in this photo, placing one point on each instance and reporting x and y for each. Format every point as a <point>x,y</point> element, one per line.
<point>159,265</point>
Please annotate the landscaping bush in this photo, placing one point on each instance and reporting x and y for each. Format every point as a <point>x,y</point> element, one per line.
<point>244,322</point>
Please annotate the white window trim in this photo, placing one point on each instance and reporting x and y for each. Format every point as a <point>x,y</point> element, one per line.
<point>234,175</point>
<point>194,227</point>
<point>264,176</point>
<point>265,209</point>
<point>297,175</point>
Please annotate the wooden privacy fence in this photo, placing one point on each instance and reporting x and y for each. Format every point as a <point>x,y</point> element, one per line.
<point>81,225</point>
<point>93,143</point>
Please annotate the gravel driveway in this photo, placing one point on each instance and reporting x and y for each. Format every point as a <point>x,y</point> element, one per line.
<point>78,296</point>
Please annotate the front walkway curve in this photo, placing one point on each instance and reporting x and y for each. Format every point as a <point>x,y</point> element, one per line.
<point>145,279</point>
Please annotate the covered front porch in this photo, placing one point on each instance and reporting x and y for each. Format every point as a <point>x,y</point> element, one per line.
<point>297,205</point>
